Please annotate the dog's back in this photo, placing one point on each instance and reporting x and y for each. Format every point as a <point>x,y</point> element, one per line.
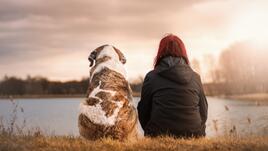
<point>108,111</point>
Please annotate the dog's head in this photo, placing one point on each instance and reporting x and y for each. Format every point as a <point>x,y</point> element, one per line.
<point>106,51</point>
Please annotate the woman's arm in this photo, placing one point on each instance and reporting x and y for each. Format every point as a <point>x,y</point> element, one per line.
<point>145,104</point>
<point>203,105</point>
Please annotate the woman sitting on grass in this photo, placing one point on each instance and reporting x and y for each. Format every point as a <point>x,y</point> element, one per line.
<point>172,99</point>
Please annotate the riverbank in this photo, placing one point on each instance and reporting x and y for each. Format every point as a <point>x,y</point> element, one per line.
<point>257,97</point>
<point>38,143</point>
<point>42,96</point>
<point>135,94</point>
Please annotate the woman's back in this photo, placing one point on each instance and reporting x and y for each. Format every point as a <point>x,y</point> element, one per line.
<point>173,93</point>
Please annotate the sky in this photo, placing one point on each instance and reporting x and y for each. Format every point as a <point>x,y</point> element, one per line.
<point>54,38</point>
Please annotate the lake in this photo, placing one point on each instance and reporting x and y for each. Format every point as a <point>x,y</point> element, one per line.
<point>58,116</point>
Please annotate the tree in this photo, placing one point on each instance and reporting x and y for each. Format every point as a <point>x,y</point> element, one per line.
<point>196,65</point>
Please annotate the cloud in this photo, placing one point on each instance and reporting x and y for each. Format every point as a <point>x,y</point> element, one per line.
<point>31,26</point>
<point>94,9</point>
<point>35,31</point>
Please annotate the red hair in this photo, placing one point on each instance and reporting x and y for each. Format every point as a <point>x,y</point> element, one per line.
<point>171,45</point>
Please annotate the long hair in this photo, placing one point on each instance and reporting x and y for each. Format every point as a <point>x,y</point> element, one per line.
<point>171,45</point>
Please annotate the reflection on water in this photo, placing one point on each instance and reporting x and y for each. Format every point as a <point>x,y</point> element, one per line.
<point>59,116</point>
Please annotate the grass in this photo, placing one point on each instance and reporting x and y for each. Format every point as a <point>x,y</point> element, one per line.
<point>42,143</point>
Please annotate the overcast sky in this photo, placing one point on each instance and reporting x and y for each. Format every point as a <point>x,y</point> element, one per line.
<point>54,38</point>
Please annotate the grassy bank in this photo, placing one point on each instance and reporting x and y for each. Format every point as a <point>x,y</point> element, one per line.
<point>38,143</point>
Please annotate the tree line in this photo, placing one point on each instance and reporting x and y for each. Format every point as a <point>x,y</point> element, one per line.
<point>240,69</point>
<point>10,86</point>
<point>40,86</point>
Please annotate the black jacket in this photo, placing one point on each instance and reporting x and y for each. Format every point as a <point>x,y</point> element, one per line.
<point>173,101</point>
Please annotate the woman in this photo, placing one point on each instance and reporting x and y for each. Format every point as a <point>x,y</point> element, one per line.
<point>172,98</point>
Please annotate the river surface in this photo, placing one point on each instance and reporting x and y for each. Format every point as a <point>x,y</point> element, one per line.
<point>58,116</point>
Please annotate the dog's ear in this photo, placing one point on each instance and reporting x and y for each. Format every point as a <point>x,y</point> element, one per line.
<point>121,56</point>
<point>92,58</point>
<point>93,55</point>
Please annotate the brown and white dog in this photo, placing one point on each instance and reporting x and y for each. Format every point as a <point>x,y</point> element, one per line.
<point>108,111</point>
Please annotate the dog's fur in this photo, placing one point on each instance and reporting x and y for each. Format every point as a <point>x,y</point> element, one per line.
<point>108,111</point>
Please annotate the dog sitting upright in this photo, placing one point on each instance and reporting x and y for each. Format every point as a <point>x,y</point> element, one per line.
<point>108,111</point>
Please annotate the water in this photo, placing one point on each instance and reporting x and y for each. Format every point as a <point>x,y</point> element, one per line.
<point>58,116</point>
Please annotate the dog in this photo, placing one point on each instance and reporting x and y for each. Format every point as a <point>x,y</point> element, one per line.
<point>108,110</point>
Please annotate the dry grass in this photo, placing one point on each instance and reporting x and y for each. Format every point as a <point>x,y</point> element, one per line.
<point>41,143</point>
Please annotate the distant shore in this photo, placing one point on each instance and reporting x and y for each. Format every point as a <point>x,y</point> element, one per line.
<point>41,96</point>
<point>135,94</point>
<point>258,97</point>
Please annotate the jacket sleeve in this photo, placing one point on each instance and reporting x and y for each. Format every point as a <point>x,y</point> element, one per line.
<point>145,104</point>
<point>203,105</point>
